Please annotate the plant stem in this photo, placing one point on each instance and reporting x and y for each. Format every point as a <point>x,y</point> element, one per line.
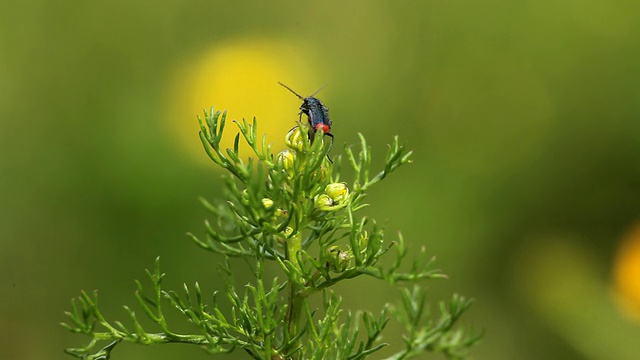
<point>294,244</point>
<point>154,338</point>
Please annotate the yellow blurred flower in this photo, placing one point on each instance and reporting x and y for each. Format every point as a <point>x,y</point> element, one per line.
<point>240,76</point>
<point>626,272</point>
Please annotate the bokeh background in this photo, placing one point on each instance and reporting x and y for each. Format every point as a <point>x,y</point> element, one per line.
<point>524,117</point>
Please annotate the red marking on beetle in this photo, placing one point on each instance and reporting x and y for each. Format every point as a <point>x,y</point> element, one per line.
<point>325,128</point>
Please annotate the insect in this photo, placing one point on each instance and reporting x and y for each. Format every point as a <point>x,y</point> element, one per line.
<point>317,113</point>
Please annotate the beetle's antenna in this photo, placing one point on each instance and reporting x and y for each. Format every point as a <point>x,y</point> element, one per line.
<point>317,91</point>
<point>290,89</point>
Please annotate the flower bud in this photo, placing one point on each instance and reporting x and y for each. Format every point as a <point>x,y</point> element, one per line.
<point>284,235</point>
<point>268,203</point>
<point>286,159</point>
<point>280,212</point>
<point>323,202</point>
<point>320,174</point>
<point>288,231</point>
<point>338,260</point>
<point>295,139</point>
<point>338,192</point>
<point>363,240</point>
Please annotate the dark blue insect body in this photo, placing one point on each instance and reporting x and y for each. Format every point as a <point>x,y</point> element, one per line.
<point>317,113</point>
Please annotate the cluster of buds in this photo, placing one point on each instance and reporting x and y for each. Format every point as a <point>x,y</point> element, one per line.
<point>335,197</point>
<point>286,159</point>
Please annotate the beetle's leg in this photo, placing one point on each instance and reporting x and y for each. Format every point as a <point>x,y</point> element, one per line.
<point>330,146</point>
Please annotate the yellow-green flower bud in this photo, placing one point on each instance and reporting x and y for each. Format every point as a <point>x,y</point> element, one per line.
<point>323,202</point>
<point>286,159</point>
<point>338,192</point>
<point>268,203</point>
<point>338,260</point>
<point>285,234</point>
<point>364,240</point>
<point>320,174</point>
<point>288,231</point>
<point>295,139</point>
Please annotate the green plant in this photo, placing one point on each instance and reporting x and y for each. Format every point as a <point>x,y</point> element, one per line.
<point>289,212</point>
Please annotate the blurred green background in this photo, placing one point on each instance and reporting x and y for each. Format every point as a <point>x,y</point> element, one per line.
<point>523,115</point>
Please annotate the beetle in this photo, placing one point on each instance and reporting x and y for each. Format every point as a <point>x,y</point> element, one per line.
<point>317,113</point>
